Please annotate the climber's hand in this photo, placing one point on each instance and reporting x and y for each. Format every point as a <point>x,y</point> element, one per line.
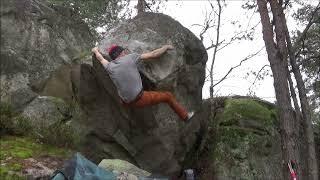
<point>169,47</point>
<point>99,56</point>
<point>95,49</point>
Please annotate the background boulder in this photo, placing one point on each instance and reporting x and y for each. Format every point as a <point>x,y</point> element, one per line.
<point>122,166</point>
<point>243,140</point>
<point>47,110</point>
<point>38,39</point>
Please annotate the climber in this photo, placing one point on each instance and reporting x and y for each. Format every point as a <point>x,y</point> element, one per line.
<point>124,73</point>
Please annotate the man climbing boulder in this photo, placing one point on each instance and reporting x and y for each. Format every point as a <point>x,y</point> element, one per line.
<point>153,137</point>
<point>124,73</point>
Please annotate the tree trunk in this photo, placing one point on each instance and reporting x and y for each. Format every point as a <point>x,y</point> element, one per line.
<point>293,95</point>
<point>312,168</point>
<point>215,48</point>
<point>277,57</point>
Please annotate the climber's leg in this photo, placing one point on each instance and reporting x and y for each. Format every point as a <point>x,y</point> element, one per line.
<point>149,98</point>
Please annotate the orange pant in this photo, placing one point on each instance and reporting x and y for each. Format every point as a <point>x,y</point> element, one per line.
<point>149,98</point>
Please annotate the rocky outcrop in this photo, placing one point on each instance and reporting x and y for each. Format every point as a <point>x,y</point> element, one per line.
<point>154,137</point>
<point>47,110</point>
<point>243,141</point>
<point>117,165</point>
<point>42,47</point>
<point>37,39</point>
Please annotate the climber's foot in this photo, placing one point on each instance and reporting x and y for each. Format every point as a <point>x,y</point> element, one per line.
<point>189,117</point>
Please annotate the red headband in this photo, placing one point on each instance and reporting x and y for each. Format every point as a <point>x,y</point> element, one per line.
<point>112,48</point>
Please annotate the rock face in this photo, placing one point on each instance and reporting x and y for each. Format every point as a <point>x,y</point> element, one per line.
<point>37,39</point>
<point>244,142</point>
<point>153,137</point>
<point>44,66</point>
<point>46,110</point>
<point>122,166</point>
<point>40,44</point>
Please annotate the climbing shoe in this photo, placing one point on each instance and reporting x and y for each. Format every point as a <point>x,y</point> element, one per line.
<point>190,116</point>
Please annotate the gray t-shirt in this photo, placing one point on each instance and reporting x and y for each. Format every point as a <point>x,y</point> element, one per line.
<point>125,75</point>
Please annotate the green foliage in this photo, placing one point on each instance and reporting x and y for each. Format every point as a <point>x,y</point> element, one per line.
<point>15,149</point>
<point>22,125</point>
<point>6,116</point>
<point>236,109</point>
<point>308,54</point>
<point>6,173</point>
<point>12,123</point>
<point>106,13</point>
<point>99,12</point>
<point>237,135</point>
<point>58,134</point>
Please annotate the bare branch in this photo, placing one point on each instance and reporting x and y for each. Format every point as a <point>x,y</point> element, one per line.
<point>211,46</point>
<point>212,7</point>
<point>207,23</point>
<point>232,68</point>
<point>147,5</point>
<point>258,75</point>
<point>198,25</point>
<point>215,49</point>
<point>236,36</point>
<point>254,12</point>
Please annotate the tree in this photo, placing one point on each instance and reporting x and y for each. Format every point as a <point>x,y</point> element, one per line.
<point>141,6</point>
<point>98,13</point>
<point>107,13</point>
<point>213,21</point>
<point>280,49</point>
<point>312,169</point>
<point>308,54</point>
<point>149,5</point>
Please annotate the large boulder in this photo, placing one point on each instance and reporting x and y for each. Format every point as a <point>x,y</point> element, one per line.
<point>154,138</point>
<point>243,141</point>
<point>46,110</point>
<point>37,39</point>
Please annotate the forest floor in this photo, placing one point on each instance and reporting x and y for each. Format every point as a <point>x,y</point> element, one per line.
<point>23,157</point>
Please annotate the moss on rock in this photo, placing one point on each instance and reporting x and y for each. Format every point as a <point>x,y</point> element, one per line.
<point>244,141</point>
<point>237,109</point>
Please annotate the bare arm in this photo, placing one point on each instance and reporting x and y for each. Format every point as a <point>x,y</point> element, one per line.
<point>99,56</point>
<point>156,53</point>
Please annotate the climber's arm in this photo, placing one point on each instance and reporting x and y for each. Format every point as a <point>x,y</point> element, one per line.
<point>99,56</point>
<point>156,53</point>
